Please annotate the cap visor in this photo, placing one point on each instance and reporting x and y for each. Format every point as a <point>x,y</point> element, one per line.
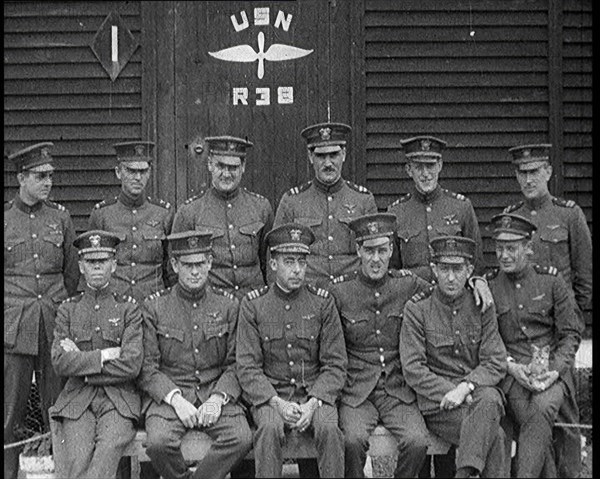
<point>450,259</point>
<point>424,159</point>
<point>291,249</point>
<point>229,160</point>
<point>524,165</point>
<point>97,255</point>
<point>327,149</point>
<point>375,240</point>
<point>192,257</point>
<point>505,236</point>
<point>137,165</point>
<point>41,168</point>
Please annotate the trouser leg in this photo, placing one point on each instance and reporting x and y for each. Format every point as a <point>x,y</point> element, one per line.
<point>268,441</point>
<point>357,424</point>
<point>329,441</point>
<point>164,447</point>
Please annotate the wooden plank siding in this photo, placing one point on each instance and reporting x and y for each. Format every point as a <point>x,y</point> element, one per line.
<point>577,107</point>
<point>475,74</point>
<point>56,90</point>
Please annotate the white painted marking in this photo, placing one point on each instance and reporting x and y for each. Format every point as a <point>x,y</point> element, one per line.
<point>114,43</point>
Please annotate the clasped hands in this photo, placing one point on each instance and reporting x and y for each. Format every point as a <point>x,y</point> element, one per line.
<point>455,397</point>
<point>207,414</point>
<point>296,416</point>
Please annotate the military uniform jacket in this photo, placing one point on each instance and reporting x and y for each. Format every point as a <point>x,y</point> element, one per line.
<point>562,240</point>
<point>95,320</point>
<point>420,218</point>
<point>189,344</point>
<point>535,307</point>
<point>371,313</point>
<point>444,342</point>
<point>327,210</point>
<point>142,227</point>
<point>239,222</point>
<point>290,340</point>
<point>40,271</point>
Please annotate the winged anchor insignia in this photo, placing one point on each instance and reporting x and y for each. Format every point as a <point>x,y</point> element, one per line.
<point>275,53</point>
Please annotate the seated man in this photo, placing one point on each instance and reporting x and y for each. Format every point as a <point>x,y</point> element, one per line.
<point>453,357</point>
<point>189,366</point>
<point>541,329</point>
<point>370,303</point>
<point>291,358</point>
<point>98,346</point>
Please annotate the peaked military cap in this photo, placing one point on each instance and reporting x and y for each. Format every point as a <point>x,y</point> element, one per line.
<point>227,146</point>
<point>530,153</point>
<point>135,151</point>
<point>32,156</point>
<point>423,148</point>
<point>375,225</point>
<point>96,244</point>
<point>452,247</point>
<point>326,137</point>
<point>190,242</point>
<point>510,227</point>
<point>290,238</point>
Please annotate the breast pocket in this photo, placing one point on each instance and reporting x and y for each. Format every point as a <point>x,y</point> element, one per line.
<point>14,251</point>
<point>356,327</point>
<point>170,342</point>
<point>271,337</point>
<point>250,234</point>
<point>439,345</point>
<point>112,334</point>
<point>555,240</point>
<point>413,248</point>
<point>308,334</point>
<point>449,230</point>
<point>152,250</point>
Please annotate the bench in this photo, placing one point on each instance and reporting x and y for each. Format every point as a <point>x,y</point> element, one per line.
<point>297,445</point>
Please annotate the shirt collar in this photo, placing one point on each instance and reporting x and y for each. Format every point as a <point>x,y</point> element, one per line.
<point>130,201</point>
<point>189,295</point>
<point>426,197</point>
<point>328,189</point>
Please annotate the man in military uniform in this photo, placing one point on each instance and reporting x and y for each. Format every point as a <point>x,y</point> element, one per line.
<point>429,210</point>
<point>371,302</point>
<point>141,222</point>
<point>40,271</point>
<point>424,213</point>
<point>291,358</point>
<point>98,346</point>
<point>562,240</point>
<point>535,310</point>
<point>238,218</point>
<point>327,204</point>
<point>189,366</point>
<point>453,357</point>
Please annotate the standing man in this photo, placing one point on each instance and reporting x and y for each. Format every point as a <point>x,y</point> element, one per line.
<point>189,366</point>
<point>535,310</point>
<point>291,358</point>
<point>238,218</point>
<point>98,346</point>
<point>370,302</point>
<point>40,271</point>
<point>141,222</point>
<point>562,240</point>
<point>453,357</point>
<point>327,204</point>
<point>429,210</point>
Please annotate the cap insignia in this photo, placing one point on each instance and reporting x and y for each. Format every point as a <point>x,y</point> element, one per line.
<point>506,222</point>
<point>425,145</point>
<point>295,235</point>
<point>373,227</point>
<point>95,241</point>
<point>139,150</point>
<point>45,153</point>
<point>193,242</point>
<point>451,244</point>
<point>325,133</point>
<point>527,152</point>
<point>231,146</point>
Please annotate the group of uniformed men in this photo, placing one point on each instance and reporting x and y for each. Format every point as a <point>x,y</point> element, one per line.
<point>328,319</point>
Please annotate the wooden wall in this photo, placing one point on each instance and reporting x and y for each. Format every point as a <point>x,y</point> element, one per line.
<point>483,76</point>
<point>56,90</point>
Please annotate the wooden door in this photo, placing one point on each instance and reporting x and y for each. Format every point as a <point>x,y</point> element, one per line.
<point>257,70</point>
